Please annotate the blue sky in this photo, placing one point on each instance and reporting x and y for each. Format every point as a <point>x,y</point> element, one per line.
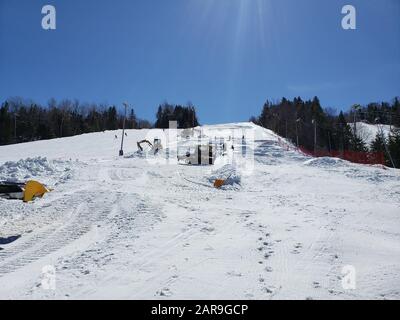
<point>225,56</point>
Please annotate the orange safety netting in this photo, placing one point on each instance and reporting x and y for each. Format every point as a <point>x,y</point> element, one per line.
<point>353,156</point>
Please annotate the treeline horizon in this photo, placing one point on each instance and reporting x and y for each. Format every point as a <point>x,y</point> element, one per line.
<point>316,129</point>
<point>24,120</point>
<point>297,120</point>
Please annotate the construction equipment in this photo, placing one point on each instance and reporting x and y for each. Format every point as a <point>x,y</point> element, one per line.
<point>22,191</point>
<point>139,144</point>
<point>156,146</point>
<point>12,190</point>
<point>200,155</point>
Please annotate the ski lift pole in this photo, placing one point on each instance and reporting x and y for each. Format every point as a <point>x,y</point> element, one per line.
<point>297,132</point>
<point>356,108</point>
<point>315,137</point>
<point>386,147</point>
<point>121,152</point>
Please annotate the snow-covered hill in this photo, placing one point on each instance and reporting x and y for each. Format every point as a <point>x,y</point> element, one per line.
<point>285,225</point>
<point>367,132</point>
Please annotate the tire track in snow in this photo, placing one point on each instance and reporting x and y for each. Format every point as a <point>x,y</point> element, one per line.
<point>131,217</point>
<point>75,225</point>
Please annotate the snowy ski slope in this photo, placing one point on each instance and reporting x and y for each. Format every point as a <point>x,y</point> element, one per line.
<point>285,227</point>
<point>367,132</point>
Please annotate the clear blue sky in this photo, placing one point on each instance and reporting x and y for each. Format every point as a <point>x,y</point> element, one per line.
<point>225,56</point>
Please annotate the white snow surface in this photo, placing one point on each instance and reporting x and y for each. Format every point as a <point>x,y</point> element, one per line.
<point>34,168</point>
<point>367,132</point>
<point>285,226</point>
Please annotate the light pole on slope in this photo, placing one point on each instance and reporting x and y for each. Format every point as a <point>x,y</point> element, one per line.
<point>297,131</point>
<point>121,152</point>
<point>356,108</point>
<point>315,137</point>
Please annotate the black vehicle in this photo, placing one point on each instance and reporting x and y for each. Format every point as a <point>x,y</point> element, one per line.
<point>12,190</point>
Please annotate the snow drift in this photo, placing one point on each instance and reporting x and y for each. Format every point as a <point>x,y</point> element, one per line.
<point>39,167</point>
<point>326,162</point>
<point>229,173</point>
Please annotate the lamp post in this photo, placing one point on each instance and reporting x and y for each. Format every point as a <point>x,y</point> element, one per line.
<point>356,108</point>
<point>297,131</point>
<point>121,152</point>
<point>315,136</point>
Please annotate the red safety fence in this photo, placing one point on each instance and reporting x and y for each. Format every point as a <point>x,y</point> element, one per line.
<point>353,156</point>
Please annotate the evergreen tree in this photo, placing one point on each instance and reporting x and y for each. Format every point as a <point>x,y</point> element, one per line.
<point>159,117</point>
<point>34,122</point>
<point>185,116</point>
<point>132,120</point>
<point>5,124</point>
<point>112,119</point>
<point>378,145</point>
<point>345,135</point>
<point>396,112</point>
<point>394,146</point>
<point>357,144</point>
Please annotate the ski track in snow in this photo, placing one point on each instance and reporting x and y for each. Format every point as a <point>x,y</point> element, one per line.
<point>126,228</point>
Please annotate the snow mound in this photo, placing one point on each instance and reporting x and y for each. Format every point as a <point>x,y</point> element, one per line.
<point>375,174</point>
<point>228,173</point>
<point>326,162</point>
<point>33,168</point>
